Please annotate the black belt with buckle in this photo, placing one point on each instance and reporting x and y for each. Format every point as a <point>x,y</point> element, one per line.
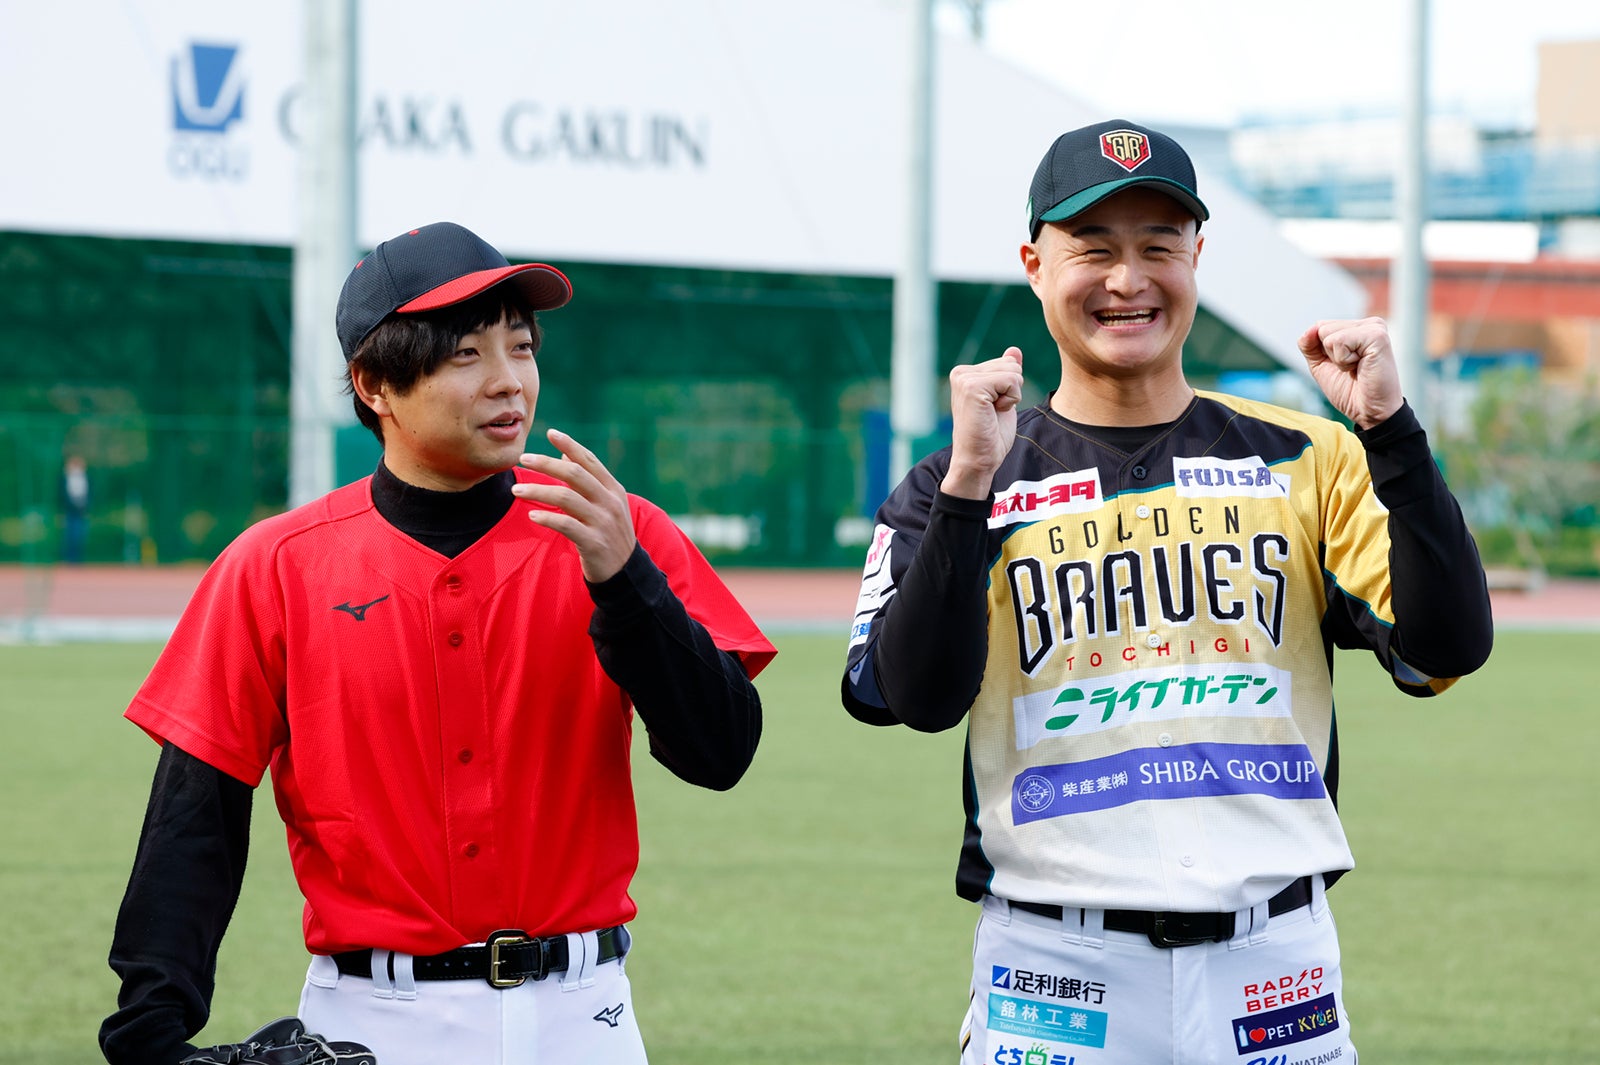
<point>508,958</point>
<point>1166,928</point>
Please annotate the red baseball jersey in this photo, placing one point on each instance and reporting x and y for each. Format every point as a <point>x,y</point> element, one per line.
<point>446,752</point>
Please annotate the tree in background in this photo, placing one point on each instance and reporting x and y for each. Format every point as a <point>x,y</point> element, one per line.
<point>1528,473</point>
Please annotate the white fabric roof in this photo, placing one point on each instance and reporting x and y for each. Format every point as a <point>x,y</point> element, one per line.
<point>709,133</point>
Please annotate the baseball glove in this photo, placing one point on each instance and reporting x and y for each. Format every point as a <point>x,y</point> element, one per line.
<point>283,1042</point>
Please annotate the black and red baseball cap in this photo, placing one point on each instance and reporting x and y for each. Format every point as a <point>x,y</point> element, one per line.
<point>1086,165</point>
<point>432,267</point>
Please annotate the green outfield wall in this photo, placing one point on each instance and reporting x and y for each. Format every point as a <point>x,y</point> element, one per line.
<point>751,406</point>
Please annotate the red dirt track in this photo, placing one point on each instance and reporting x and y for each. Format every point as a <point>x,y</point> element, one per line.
<point>781,598</point>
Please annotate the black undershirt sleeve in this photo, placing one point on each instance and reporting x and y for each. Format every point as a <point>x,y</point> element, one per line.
<point>1443,623</point>
<point>185,883</point>
<point>701,709</point>
<point>933,641</point>
<point>702,712</point>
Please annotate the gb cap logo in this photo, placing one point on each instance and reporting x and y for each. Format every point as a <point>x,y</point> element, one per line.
<point>1128,148</point>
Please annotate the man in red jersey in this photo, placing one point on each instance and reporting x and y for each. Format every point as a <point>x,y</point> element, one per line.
<point>439,664</point>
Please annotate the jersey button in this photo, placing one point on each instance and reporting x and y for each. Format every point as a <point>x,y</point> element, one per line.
<point>465,755</point>
<point>1154,639</point>
<point>455,639</point>
<point>453,582</point>
<point>1142,510</point>
<point>1140,473</point>
<point>470,850</point>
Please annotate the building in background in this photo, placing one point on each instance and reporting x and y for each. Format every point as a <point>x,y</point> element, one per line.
<point>1513,333</point>
<point>1515,245</point>
<point>721,181</point>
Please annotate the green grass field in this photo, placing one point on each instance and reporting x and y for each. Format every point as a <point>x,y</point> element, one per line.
<point>808,916</point>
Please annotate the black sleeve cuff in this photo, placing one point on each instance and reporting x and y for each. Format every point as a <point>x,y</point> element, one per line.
<point>1399,459</point>
<point>630,594</point>
<point>964,510</point>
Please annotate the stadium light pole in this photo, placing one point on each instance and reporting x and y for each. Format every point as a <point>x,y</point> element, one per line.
<point>1408,274</point>
<point>325,241</point>
<point>912,363</point>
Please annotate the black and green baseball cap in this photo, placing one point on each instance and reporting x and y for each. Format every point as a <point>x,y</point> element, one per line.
<point>1086,165</point>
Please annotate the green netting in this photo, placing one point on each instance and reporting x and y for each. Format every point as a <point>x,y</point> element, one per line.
<point>749,405</point>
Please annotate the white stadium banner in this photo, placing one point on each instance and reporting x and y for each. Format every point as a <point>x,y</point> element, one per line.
<point>739,134</point>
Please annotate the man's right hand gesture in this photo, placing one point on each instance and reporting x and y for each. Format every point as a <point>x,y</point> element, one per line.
<point>983,413</point>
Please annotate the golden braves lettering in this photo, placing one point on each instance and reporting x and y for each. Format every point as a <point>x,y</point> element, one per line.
<point>1057,602</point>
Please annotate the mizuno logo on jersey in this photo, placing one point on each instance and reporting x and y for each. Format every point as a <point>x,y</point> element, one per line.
<point>1027,501</point>
<point>1251,476</point>
<point>360,612</point>
<point>611,1015</point>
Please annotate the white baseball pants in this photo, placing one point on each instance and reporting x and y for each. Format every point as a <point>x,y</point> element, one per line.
<point>1067,992</point>
<point>582,1015</point>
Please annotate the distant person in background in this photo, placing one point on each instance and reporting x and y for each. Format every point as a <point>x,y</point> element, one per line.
<point>74,509</point>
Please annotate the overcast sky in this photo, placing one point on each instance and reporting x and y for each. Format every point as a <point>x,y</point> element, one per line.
<point>1216,62</point>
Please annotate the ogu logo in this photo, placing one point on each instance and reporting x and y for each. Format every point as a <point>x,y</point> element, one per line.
<point>207,98</point>
<point>207,88</point>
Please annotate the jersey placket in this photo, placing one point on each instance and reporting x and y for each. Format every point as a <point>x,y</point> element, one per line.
<point>466,773</point>
<point>1179,834</point>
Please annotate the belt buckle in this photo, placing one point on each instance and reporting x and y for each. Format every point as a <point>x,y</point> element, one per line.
<point>1162,937</point>
<point>508,937</point>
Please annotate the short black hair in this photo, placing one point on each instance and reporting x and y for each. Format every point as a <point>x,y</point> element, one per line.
<point>405,348</point>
